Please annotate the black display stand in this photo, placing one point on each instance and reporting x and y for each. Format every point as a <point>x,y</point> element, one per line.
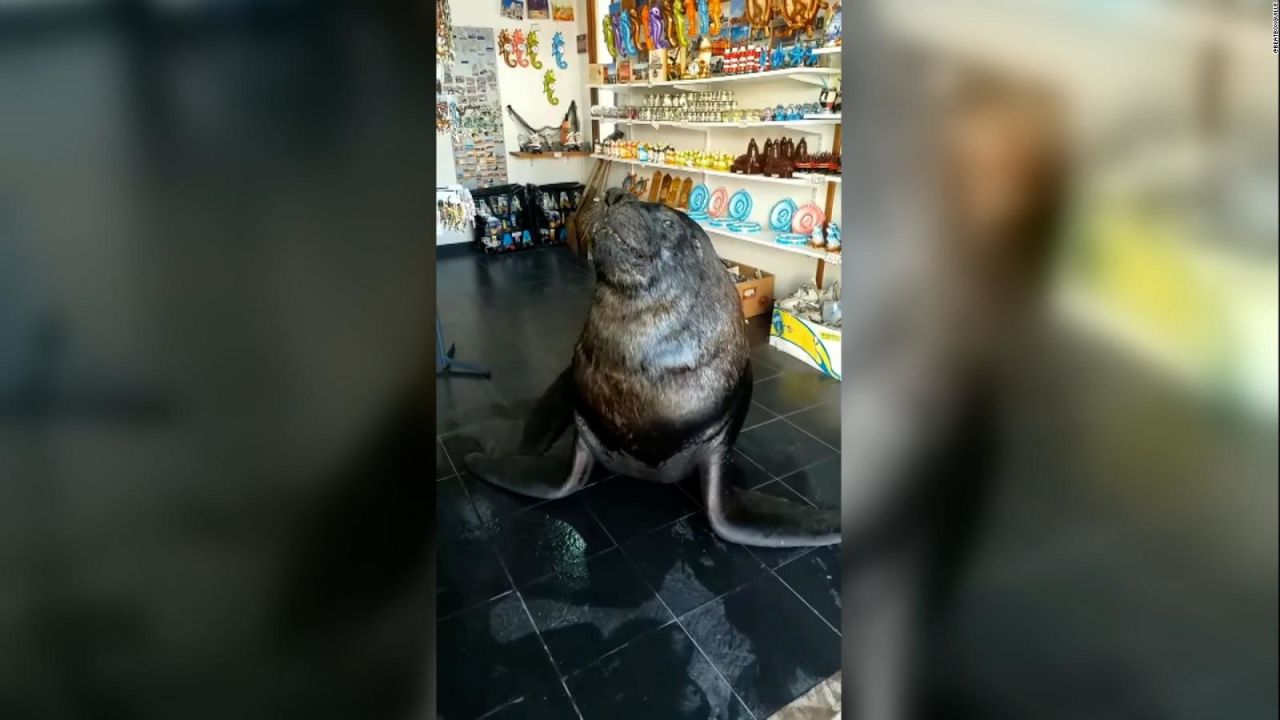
<point>446,365</point>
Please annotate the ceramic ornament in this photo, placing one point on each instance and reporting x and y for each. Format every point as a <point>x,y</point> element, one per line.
<point>698,198</point>
<point>518,48</point>
<point>532,45</point>
<point>719,201</point>
<point>505,47</point>
<point>781,214</point>
<point>806,219</point>
<point>548,89</point>
<point>657,28</point>
<point>557,50</point>
<point>740,205</point>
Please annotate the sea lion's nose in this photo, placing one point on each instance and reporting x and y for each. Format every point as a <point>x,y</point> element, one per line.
<point>615,196</point>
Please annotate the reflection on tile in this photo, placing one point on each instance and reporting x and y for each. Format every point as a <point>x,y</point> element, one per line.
<point>550,537</point>
<point>768,662</point>
<point>661,675</point>
<point>549,703</point>
<point>488,656</point>
<point>782,448</point>
<point>629,506</point>
<point>821,421</point>
<point>688,565</point>
<point>591,608</point>
<point>816,577</point>
<point>467,570</point>
<point>793,391</point>
<point>819,483</point>
<point>820,703</point>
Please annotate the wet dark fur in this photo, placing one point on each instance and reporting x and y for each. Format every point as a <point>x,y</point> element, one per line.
<point>663,355</point>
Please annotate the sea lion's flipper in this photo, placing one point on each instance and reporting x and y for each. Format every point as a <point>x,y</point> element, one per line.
<point>551,416</point>
<point>541,476</point>
<point>752,518</point>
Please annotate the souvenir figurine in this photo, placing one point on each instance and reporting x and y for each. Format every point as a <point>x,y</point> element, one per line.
<point>517,45</point>
<point>505,47</point>
<point>548,89</point>
<point>531,43</point>
<point>557,50</point>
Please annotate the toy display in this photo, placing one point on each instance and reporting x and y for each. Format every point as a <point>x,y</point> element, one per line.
<point>557,50</point>
<point>548,87</point>
<point>531,45</point>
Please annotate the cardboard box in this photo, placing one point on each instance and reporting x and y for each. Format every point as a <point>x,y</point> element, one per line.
<point>756,294</point>
<point>815,344</point>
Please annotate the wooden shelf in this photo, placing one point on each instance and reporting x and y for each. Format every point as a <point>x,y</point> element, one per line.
<point>550,155</point>
<point>809,181</point>
<point>812,75</point>
<point>765,237</point>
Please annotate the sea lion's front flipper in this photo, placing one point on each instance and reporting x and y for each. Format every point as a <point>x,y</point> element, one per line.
<point>551,416</point>
<point>752,518</point>
<point>541,476</point>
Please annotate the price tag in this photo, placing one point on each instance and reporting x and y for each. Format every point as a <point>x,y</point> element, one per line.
<point>559,154</point>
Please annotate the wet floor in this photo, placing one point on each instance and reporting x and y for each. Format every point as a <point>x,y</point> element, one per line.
<point>617,602</point>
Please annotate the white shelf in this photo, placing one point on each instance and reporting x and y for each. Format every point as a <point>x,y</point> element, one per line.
<point>765,237</point>
<point>827,50</point>
<point>818,180</point>
<point>810,122</point>
<point>812,75</point>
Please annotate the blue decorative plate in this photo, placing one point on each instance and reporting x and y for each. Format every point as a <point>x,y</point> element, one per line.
<point>781,214</point>
<point>699,196</point>
<point>717,222</point>
<point>740,205</point>
<point>697,215</point>
<point>792,239</point>
<point>745,226</point>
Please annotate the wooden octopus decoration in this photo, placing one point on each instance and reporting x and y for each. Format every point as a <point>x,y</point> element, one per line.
<point>800,14</point>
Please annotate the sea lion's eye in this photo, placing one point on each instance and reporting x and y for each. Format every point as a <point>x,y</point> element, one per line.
<point>669,224</point>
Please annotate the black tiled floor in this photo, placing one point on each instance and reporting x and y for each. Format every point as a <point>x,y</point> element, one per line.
<point>819,483</point>
<point>591,608</point>
<point>603,612</point>
<point>627,506</point>
<point>688,565</point>
<point>821,421</point>
<point>781,448</point>
<point>550,538</point>
<point>816,578</point>
<point>768,661</point>
<point>662,675</point>
<point>493,656</point>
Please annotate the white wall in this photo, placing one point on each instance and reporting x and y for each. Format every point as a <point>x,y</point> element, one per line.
<point>522,88</point>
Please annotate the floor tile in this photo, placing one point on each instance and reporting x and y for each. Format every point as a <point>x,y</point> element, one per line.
<point>591,608</point>
<point>548,703</point>
<point>688,565</point>
<point>487,657</point>
<point>757,415</point>
<point>821,421</point>
<point>781,448</point>
<point>628,506</point>
<point>661,675</point>
<point>790,392</point>
<point>467,570</point>
<point>548,538</point>
<point>766,642</point>
<point>816,577</point>
<point>462,401</point>
<point>443,467</point>
<point>819,483</point>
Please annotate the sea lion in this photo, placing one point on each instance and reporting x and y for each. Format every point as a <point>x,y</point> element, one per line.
<point>660,381</point>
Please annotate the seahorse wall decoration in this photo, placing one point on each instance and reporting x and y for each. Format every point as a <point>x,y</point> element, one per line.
<point>657,28</point>
<point>557,50</point>
<point>504,47</point>
<point>548,87</point>
<point>690,16</point>
<point>704,19</point>
<point>618,41</point>
<point>682,24</point>
<point>610,40</point>
<point>517,45</point>
<point>532,44</point>
<point>715,18</point>
<point>669,13</point>
<point>639,37</point>
<point>624,33</point>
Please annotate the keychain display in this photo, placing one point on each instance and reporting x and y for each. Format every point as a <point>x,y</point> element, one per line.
<point>557,50</point>
<point>506,47</point>
<point>444,33</point>
<point>531,45</point>
<point>548,87</point>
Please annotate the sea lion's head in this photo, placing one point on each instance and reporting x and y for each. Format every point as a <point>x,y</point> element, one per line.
<point>638,244</point>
